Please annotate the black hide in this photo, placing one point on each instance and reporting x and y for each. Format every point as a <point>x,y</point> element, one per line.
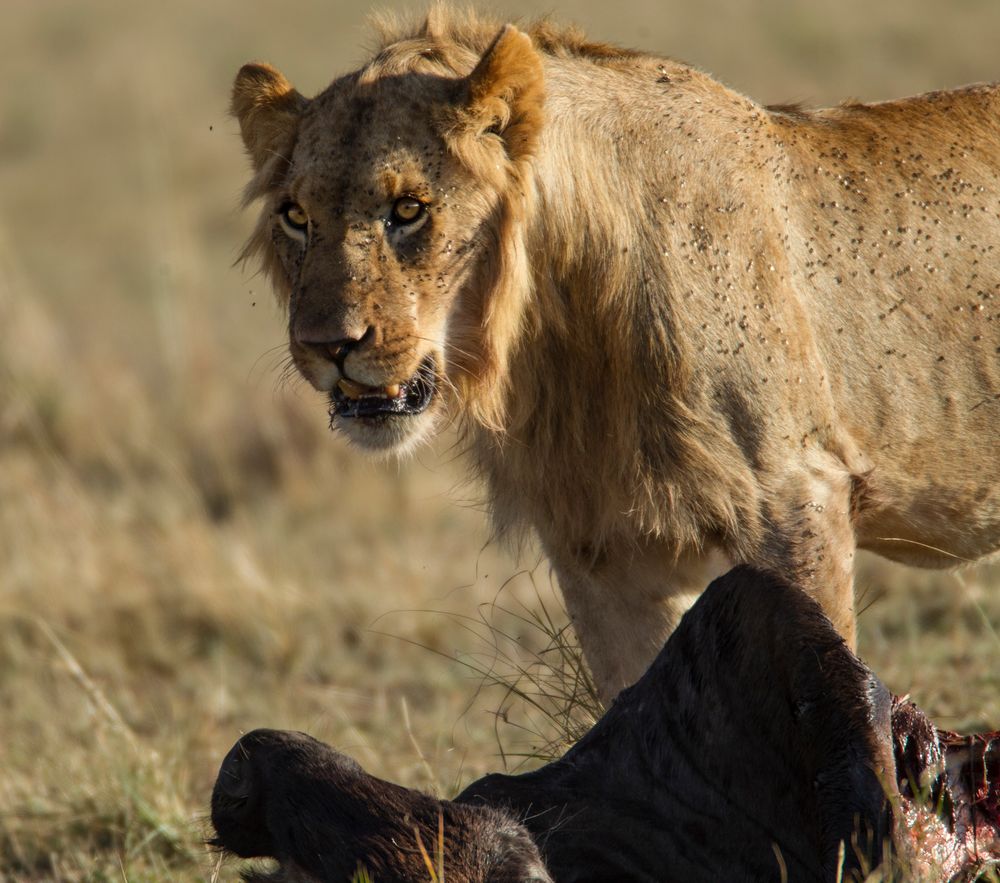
<point>756,748</point>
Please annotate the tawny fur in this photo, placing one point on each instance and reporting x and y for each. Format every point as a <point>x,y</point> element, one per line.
<point>682,330</point>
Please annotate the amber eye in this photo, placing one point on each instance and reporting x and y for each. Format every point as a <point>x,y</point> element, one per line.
<point>294,218</point>
<point>407,209</point>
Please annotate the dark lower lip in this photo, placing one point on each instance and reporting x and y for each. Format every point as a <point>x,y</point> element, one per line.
<point>414,397</point>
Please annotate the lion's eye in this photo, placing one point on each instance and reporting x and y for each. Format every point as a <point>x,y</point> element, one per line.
<point>407,209</point>
<point>294,219</point>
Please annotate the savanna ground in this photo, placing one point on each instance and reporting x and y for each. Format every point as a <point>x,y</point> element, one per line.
<point>185,552</point>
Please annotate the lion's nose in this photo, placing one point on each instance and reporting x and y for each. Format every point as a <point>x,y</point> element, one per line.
<point>336,350</point>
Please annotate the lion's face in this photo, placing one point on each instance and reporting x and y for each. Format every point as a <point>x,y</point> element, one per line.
<point>375,231</point>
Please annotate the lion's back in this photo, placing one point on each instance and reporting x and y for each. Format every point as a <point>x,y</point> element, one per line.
<point>895,228</point>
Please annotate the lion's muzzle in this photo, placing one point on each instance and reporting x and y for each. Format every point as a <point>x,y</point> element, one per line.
<point>350,399</point>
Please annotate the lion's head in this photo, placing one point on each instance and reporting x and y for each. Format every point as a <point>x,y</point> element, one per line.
<point>391,203</point>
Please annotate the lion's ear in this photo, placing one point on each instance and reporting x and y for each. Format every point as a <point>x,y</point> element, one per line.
<point>268,109</point>
<point>506,92</point>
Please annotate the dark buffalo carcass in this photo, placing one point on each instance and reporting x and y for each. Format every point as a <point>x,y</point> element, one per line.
<point>757,747</point>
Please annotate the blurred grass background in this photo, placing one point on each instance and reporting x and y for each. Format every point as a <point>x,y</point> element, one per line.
<point>185,551</point>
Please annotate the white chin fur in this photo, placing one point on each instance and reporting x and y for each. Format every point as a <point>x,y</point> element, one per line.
<point>397,436</point>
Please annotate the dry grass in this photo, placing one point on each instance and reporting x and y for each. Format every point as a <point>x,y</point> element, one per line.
<point>186,554</point>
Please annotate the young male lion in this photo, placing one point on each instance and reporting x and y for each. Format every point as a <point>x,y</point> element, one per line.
<point>675,325</point>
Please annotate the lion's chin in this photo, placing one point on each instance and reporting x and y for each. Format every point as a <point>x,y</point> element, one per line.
<point>392,424</point>
<point>386,434</point>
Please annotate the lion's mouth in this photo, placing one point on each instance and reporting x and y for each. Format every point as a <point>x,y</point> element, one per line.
<point>351,400</point>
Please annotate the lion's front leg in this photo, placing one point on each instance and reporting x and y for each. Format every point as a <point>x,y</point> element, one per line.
<point>813,541</point>
<point>625,606</point>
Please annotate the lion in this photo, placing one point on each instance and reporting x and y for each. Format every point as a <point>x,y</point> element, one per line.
<point>679,330</point>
